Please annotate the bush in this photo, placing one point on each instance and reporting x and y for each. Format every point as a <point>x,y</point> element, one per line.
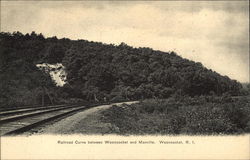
<point>198,115</point>
<point>118,98</point>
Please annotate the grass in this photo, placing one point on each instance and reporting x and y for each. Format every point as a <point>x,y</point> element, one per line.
<point>205,115</point>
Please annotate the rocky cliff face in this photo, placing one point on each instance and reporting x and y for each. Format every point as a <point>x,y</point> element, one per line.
<point>56,71</point>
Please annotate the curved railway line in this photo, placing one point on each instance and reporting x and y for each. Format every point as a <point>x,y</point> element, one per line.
<point>18,121</point>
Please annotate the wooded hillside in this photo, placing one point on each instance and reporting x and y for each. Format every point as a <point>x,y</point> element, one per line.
<point>97,71</point>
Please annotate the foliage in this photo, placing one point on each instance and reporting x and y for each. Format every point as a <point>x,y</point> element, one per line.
<point>22,83</point>
<point>99,72</point>
<point>199,115</point>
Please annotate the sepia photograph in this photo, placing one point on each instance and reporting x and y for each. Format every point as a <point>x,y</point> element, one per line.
<point>86,71</point>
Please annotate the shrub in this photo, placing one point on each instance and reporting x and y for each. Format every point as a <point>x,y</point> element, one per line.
<point>198,115</point>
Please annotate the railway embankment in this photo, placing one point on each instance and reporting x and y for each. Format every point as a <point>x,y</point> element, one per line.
<point>84,122</point>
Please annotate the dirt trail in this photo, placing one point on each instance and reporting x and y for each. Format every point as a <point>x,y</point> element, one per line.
<point>84,122</point>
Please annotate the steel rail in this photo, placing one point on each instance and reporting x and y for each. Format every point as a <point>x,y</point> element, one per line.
<point>35,124</point>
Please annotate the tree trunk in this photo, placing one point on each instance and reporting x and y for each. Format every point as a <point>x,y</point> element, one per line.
<point>96,98</point>
<point>50,98</point>
<point>43,97</point>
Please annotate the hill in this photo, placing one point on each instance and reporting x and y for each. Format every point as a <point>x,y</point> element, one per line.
<point>97,71</point>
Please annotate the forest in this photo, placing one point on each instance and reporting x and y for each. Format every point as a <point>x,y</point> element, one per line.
<point>97,71</point>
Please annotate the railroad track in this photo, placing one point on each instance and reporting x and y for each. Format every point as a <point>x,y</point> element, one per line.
<point>18,121</point>
<point>26,110</point>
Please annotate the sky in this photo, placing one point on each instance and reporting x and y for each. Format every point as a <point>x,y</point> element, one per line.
<point>215,33</point>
